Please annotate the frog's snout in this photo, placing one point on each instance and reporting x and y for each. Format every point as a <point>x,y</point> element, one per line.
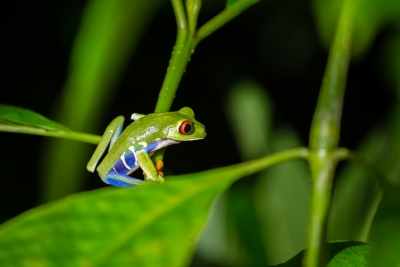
<point>204,131</point>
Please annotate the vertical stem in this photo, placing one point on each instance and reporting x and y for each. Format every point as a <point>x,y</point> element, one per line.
<point>325,129</point>
<point>324,136</point>
<point>322,171</point>
<point>179,59</point>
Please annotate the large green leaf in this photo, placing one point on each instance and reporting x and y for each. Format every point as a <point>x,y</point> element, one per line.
<point>346,253</point>
<point>147,225</point>
<point>22,116</point>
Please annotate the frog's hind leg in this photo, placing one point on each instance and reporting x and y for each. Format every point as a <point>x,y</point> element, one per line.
<point>121,180</point>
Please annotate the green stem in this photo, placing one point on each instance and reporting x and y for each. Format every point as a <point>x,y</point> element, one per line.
<point>253,166</point>
<point>324,137</point>
<point>323,166</point>
<point>325,129</point>
<point>193,10</point>
<point>222,18</point>
<point>178,62</point>
<point>77,136</point>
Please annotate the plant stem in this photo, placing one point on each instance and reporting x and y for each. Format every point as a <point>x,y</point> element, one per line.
<point>324,136</point>
<point>222,18</point>
<point>178,62</point>
<point>77,136</point>
<point>254,166</point>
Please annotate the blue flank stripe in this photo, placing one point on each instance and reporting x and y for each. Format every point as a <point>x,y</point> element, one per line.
<point>130,160</point>
<point>153,146</point>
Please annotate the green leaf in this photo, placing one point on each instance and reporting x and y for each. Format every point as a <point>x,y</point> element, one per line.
<point>248,106</point>
<point>17,115</point>
<point>343,253</point>
<point>149,225</point>
<point>281,199</point>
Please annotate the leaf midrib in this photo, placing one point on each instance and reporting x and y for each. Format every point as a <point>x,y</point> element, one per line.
<point>104,254</point>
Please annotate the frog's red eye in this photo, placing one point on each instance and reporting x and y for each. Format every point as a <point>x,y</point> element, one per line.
<point>185,127</point>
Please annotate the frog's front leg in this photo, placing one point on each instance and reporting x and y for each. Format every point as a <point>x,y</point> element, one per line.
<point>148,167</point>
<point>111,134</point>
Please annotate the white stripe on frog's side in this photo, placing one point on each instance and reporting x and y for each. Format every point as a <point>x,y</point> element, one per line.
<point>164,143</point>
<point>131,170</point>
<point>144,144</point>
<point>132,149</point>
<point>124,162</point>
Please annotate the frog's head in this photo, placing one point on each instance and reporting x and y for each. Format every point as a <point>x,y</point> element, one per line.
<point>186,127</point>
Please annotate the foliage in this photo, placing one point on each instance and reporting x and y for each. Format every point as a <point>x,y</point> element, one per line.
<point>259,221</point>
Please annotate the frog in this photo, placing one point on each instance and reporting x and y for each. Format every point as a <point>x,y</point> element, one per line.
<point>133,148</point>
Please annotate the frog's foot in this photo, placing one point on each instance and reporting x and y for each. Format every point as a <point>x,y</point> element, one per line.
<point>159,166</point>
<point>160,177</point>
<point>157,179</point>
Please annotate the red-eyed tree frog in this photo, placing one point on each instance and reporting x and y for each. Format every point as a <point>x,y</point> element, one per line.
<point>138,142</point>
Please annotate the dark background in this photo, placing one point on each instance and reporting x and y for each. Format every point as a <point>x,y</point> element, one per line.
<point>274,43</point>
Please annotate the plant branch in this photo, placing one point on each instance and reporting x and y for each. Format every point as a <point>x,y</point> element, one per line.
<point>178,62</point>
<point>77,136</point>
<point>324,136</point>
<point>222,18</point>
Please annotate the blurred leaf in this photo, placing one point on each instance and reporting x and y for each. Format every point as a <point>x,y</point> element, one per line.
<point>249,110</point>
<point>273,217</point>
<point>368,20</point>
<point>359,186</point>
<point>17,115</point>
<point>212,245</point>
<point>345,253</point>
<point>281,199</point>
<point>385,235</point>
<point>108,35</point>
<point>356,186</point>
<point>243,226</point>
